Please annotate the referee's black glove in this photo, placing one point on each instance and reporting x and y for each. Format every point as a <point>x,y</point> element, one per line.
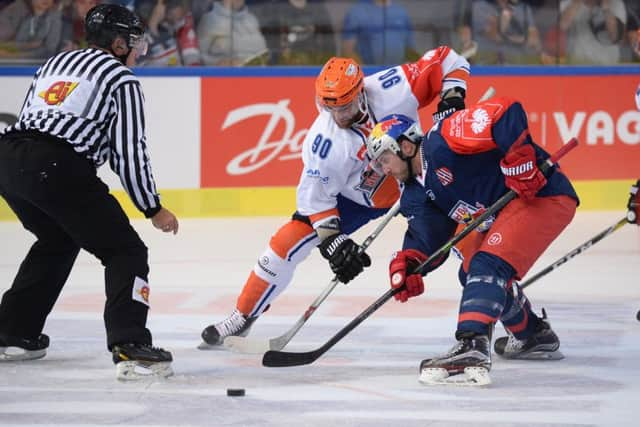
<point>344,256</point>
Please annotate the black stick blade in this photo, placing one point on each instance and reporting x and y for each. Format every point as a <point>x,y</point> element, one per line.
<point>283,359</point>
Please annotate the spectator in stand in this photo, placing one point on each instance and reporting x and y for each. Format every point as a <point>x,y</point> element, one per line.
<point>298,32</point>
<point>230,34</point>
<point>633,28</point>
<point>378,32</point>
<point>171,33</point>
<point>594,30</point>
<point>467,47</point>
<point>506,33</point>
<point>199,8</point>
<point>73,34</point>
<point>39,33</point>
<point>11,15</point>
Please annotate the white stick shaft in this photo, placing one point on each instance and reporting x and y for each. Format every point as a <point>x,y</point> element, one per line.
<point>489,93</point>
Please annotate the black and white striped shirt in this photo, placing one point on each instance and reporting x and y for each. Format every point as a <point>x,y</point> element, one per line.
<point>90,99</point>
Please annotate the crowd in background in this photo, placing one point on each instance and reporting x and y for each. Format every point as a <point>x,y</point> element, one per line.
<point>308,32</point>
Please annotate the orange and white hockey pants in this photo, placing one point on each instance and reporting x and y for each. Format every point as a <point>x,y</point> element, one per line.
<point>289,246</point>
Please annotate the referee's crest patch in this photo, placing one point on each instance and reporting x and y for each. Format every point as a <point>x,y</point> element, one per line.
<point>141,291</point>
<point>57,92</point>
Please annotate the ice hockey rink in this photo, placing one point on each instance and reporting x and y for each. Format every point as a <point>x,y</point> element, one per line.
<point>370,378</point>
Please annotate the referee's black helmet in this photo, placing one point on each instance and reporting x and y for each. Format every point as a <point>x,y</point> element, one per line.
<point>105,22</point>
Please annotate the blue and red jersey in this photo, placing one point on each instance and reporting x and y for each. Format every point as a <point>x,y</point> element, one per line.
<point>461,172</point>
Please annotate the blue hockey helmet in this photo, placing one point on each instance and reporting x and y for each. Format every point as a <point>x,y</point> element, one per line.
<point>387,134</point>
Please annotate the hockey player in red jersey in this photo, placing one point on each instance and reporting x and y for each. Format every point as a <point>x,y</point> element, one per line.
<point>463,165</point>
<point>336,193</point>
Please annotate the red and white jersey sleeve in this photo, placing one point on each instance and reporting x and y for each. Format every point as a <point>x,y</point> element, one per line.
<point>438,70</point>
<point>406,88</point>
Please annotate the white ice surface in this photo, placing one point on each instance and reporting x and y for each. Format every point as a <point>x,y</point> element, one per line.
<point>370,378</point>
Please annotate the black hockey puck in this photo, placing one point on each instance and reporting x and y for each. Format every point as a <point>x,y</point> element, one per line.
<point>235,392</point>
<point>638,315</point>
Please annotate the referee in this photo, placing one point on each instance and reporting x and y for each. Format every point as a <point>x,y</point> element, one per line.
<point>84,108</point>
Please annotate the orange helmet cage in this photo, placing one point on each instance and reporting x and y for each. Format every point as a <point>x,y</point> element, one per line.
<point>339,82</point>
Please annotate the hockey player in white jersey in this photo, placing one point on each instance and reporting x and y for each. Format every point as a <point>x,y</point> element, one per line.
<point>337,192</point>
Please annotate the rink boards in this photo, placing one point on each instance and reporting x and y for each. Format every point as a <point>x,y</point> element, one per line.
<point>227,141</point>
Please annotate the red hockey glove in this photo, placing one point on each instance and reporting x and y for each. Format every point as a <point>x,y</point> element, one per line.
<point>633,214</point>
<point>400,269</point>
<point>521,173</point>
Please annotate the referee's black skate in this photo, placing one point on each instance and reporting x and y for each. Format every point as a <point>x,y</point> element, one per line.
<point>237,324</point>
<point>542,345</point>
<point>14,348</point>
<point>468,362</point>
<point>138,361</point>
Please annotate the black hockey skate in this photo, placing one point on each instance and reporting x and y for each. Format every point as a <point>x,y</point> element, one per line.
<point>14,348</point>
<point>237,324</point>
<point>542,345</point>
<point>471,357</point>
<point>138,361</point>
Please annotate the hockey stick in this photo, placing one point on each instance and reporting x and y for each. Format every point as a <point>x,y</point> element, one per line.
<point>487,94</point>
<point>256,346</point>
<point>278,359</point>
<point>583,247</point>
<point>248,345</point>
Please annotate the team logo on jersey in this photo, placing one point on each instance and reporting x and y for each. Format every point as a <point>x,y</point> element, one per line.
<point>480,120</point>
<point>315,174</point>
<point>57,92</point>
<point>495,239</point>
<point>444,176</point>
<point>412,70</point>
<point>463,213</point>
<point>370,180</point>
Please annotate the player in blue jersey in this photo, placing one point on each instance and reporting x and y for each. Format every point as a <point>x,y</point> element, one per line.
<point>464,164</point>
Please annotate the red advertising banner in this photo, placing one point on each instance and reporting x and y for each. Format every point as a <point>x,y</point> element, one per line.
<point>253,127</point>
<point>599,110</point>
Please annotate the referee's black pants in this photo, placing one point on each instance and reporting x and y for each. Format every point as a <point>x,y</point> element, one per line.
<point>57,196</point>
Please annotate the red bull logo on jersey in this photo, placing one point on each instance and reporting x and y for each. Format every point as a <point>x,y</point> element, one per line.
<point>57,92</point>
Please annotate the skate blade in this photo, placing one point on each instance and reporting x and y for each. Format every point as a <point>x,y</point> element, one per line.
<point>473,376</point>
<point>134,371</point>
<point>246,345</point>
<point>13,354</point>
<point>537,355</point>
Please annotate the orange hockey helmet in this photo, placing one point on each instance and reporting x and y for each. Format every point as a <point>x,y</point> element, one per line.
<point>339,82</point>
